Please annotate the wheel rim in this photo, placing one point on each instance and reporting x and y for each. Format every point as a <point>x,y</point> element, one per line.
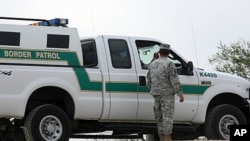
<point>224,124</point>
<point>50,128</point>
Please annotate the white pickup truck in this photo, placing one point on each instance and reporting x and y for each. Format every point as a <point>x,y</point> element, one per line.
<point>54,84</point>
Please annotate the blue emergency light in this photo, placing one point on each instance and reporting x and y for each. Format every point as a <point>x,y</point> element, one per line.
<point>52,22</point>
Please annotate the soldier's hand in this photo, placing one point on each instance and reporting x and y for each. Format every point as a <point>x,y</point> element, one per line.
<point>181,98</point>
<point>156,55</point>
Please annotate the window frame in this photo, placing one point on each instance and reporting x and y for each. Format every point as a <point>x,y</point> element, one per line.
<point>58,41</point>
<point>119,65</point>
<point>91,65</point>
<point>172,56</point>
<point>9,38</point>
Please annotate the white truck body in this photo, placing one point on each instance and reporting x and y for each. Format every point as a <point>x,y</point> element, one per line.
<point>107,90</point>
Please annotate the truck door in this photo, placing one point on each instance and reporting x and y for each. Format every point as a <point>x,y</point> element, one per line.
<point>91,94</point>
<point>183,112</point>
<point>122,85</point>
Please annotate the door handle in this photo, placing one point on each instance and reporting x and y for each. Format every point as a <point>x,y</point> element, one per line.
<point>142,80</point>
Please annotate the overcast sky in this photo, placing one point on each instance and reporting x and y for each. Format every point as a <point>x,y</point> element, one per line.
<point>185,24</point>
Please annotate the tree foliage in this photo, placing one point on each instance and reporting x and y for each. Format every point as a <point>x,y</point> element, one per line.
<point>234,59</point>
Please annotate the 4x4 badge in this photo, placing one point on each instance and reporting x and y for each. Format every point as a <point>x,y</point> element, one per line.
<point>5,72</point>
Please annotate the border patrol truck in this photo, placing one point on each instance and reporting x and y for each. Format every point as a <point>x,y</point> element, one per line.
<point>54,85</point>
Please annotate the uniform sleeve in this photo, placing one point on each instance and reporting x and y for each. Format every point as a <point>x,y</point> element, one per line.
<point>174,79</point>
<point>148,80</point>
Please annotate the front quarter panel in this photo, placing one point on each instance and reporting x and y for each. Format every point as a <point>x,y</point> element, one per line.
<point>217,83</point>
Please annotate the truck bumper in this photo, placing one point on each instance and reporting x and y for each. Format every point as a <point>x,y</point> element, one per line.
<point>247,102</point>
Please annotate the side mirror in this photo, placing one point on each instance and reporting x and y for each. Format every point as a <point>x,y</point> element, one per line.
<point>190,67</point>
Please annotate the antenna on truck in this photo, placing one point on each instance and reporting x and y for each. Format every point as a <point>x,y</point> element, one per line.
<point>196,57</point>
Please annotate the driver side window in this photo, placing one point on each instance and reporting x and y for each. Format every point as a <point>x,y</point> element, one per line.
<point>177,62</point>
<point>146,50</point>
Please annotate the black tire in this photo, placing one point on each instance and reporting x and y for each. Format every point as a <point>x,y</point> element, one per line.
<point>48,122</point>
<point>218,120</point>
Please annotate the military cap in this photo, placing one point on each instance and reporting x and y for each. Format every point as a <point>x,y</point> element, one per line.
<point>165,46</point>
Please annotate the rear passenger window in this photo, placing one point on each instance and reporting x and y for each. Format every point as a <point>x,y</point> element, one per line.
<point>9,38</point>
<point>58,41</point>
<point>120,56</point>
<point>89,53</point>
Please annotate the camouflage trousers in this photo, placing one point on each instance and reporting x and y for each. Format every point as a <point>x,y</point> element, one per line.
<point>164,111</point>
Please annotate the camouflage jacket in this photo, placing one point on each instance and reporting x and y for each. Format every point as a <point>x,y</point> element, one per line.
<point>163,77</point>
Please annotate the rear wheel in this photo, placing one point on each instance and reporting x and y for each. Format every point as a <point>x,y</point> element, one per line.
<point>48,123</point>
<point>220,118</point>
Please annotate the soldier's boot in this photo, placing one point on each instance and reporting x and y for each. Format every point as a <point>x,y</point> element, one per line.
<point>167,138</point>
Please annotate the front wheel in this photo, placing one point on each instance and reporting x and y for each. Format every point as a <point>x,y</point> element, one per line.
<point>219,119</point>
<point>48,123</point>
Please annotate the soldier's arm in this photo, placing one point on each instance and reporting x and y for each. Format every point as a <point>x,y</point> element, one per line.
<point>148,80</point>
<point>174,79</point>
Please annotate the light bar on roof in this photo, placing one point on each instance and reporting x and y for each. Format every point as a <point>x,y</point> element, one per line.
<point>52,22</point>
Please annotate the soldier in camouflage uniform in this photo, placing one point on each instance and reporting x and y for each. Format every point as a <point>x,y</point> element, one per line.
<point>163,82</point>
